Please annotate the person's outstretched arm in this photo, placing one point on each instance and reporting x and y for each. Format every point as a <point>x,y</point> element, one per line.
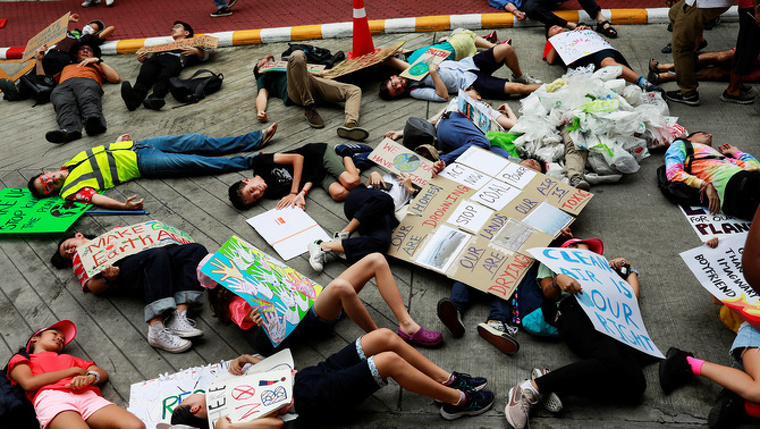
<point>110,203</point>
<point>751,255</point>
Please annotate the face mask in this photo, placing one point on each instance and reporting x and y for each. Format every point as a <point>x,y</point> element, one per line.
<point>88,29</point>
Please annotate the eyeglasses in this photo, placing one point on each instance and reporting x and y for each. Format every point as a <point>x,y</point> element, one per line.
<point>86,48</point>
<point>178,26</point>
<point>48,184</point>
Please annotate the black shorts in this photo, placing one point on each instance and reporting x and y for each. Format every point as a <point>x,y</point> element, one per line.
<point>597,58</point>
<point>488,86</point>
<point>742,195</point>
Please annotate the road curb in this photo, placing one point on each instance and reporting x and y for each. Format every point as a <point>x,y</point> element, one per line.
<point>385,26</point>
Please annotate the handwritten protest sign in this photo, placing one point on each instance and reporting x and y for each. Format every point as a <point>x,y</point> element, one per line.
<point>354,64</point>
<point>50,35</point>
<point>607,299</point>
<point>282,66</point>
<point>21,213</point>
<point>420,68</point>
<point>477,113</point>
<point>288,230</point>
<point>249,397</point>
<point>708,226</point>
<point>572,45</point>
<point>122,241</point>
<point>205,42</point>
<point>720,271</point>
<point>279,293</point>
<point>397,159</point>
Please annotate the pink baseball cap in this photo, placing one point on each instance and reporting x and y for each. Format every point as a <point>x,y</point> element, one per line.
<point>67,328</point>
<point>203,279</point>
<point>594,244</point>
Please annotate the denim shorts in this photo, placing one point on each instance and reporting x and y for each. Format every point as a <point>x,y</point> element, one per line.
<point>747,337</point>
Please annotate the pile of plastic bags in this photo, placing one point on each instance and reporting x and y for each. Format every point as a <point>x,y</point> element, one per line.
<point>615,122</point>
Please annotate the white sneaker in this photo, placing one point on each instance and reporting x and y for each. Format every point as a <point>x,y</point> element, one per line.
<point>164,338</point>
<point>518,407</point>
<point>109,2</point>
<point>552,403</point>
<point>317,256</point>
<point>181,326</point>
<point>526,79</point>
<point>340,236</point>
<point>88,3</point>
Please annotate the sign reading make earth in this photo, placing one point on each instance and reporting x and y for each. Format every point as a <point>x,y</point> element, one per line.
<point>20,212</point>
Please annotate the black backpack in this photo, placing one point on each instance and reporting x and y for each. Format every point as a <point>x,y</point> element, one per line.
<point>418,132</point>
<point>679,192</point>
<point>314,54</point>
<point>36,87</point>
<point>16,411</point>
<point>195,88</point>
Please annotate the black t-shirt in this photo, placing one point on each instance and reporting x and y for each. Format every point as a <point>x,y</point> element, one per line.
<point>279,177</point>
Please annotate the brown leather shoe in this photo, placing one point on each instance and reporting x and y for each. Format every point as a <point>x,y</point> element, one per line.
<point>311,115</point>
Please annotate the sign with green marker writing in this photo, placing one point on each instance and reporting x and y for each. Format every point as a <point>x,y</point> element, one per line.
<point>21,213</point>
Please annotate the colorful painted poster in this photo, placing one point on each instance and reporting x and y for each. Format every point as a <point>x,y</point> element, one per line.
<point>288,230</point>
<point>21,213</point>
<point>124,241</point>
<point>206,42</point>
<point>720,271</point>
<point>608,300</point>
<point>476,112</point>
<point>49,36</point>
<point>708,226</point>
<point>572,45</point>
<point>397,159</point>
<point>281,294</point>
<point>355,64</point>
<point>250,396</point>
<point>420,68</point>
<point>282,66</point>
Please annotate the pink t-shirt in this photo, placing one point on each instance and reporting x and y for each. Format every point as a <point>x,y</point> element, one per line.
<point>43,362</point>
<point>239,310</point>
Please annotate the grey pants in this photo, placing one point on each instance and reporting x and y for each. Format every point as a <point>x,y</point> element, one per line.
<point>75,100</point>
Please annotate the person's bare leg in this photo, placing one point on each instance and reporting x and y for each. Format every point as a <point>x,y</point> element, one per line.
<point>628,75</point>
<point>113,416</point>
<point>483,43</point>
<point>332,246</point>
<point>506,53</point>
<point>407,376</point>
<point>745,384</point>
<point>352,226</point>
<point>342,295</point>
<point>734,84</point>
<point>68,420</point>
<point>519,88</point>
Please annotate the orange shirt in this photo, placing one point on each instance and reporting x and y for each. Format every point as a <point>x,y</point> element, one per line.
<point>90,71</point>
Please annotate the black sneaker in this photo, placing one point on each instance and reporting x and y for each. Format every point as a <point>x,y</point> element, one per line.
<point>475,403</point>
<point>727,412</point>
<point>500,335</point>
<point>747,88</point>
<point>225,11</point>
<point>62,136</point>
<point>674,370</point>
<point>231,3</point>
<point>692,99</point>
<point>467,383</point>
<point>449,315</point>
<point>352,149</point>
<point>129,97</point>
<point>742,98</point>
<point>94,126</point>
<point>154,103</point>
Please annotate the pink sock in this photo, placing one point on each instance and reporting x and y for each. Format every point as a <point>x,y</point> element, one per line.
<point>696,365</point>
<point>449,380</point>
<point>462,398</point>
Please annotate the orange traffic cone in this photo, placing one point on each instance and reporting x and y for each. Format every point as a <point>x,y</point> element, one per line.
<point>362,37</point>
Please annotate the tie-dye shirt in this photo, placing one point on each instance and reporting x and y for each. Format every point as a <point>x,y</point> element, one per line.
<point>716,171</point>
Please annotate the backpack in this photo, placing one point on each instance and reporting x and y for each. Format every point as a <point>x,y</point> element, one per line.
<point>195,88</point>
<point>15,408</point>
<point>418,132</point>
<point>37,87</point>
<point>679,192</point>
<point>314,54</point>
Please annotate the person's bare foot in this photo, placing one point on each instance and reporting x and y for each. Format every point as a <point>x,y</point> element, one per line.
<point>269,134</point>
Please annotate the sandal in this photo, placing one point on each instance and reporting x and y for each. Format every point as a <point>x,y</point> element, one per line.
<point>653,77</point>
<point>606,29</point>
<point>268,135</point>
<point>654,65</point>
<point>422,338</point>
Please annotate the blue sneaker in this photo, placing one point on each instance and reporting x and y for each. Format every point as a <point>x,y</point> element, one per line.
<point>352,149</point>
<point>362,162</point>
<point>475,403</point>
<point>467,383</point>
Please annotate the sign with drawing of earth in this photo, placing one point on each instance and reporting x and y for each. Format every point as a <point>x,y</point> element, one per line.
<point>407,162</point>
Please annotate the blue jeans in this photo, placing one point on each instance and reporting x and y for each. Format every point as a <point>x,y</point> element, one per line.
<point>194,154</point>
<point>457,133</point>
<point>462,295</point>
<point>220,4</point>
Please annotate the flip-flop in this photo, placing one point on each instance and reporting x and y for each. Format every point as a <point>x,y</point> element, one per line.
<point>422,338</point>
<point>269,134</point>
<point>608,31</point>
<point>653,65</point>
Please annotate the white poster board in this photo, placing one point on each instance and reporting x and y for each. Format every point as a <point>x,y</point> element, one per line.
<point>708,226</point>
<point>572,45</point>
<point>607,299</point>
<point>250,396</point>
<point>288,230</point>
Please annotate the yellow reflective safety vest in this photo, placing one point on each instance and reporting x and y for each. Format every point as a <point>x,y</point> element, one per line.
<point>100,168</point>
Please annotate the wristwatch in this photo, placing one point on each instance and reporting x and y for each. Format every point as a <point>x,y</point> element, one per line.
<point>96,375</point>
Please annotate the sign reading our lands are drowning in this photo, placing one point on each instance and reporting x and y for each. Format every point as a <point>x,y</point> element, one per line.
<point>720,271</point>
<point>572,45</point>
<point>21,213</point>
<point>50,35</point>
<point>124,241</point>
<point>279,293</point>
<point>607,299</point>
<point>397,159</point>
<point>708,226</point>
<point>421,67</point>
<point>249,397</point>
<point>205,41</point>
<point>475,221</point>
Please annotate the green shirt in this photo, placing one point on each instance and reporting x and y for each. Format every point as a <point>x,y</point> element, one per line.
<point>543,272</point>
<point>276,83</point>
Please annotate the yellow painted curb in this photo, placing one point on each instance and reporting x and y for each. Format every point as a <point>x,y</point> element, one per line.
<point>568,15</point>
<point>432,23</point>
<point>377,26</point>
<point>246,37</point>
<point>306,32</point>
<point>496,20</point>
<point>629,16</point>
<point>129,46</point>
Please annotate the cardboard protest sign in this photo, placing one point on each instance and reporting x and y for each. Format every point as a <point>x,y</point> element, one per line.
<point>281,294</point>
<point>282,66</point>
<point>420,68</point>
<point>441,248</point>
<point>408,237</point>
<point>354,64</point>
<point>572,45</point>
<point>397,159</point>
<point>21,213</point>
<point>465,175</point>
<point>477,113</point>
<point>205,42</point>
<point>289,230</point>
<point>607,299</point>
<point>720,271</point>
<point>124,241</point>
<point>708,226</point>
<point>50,35</point>
<point>250,396</point>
